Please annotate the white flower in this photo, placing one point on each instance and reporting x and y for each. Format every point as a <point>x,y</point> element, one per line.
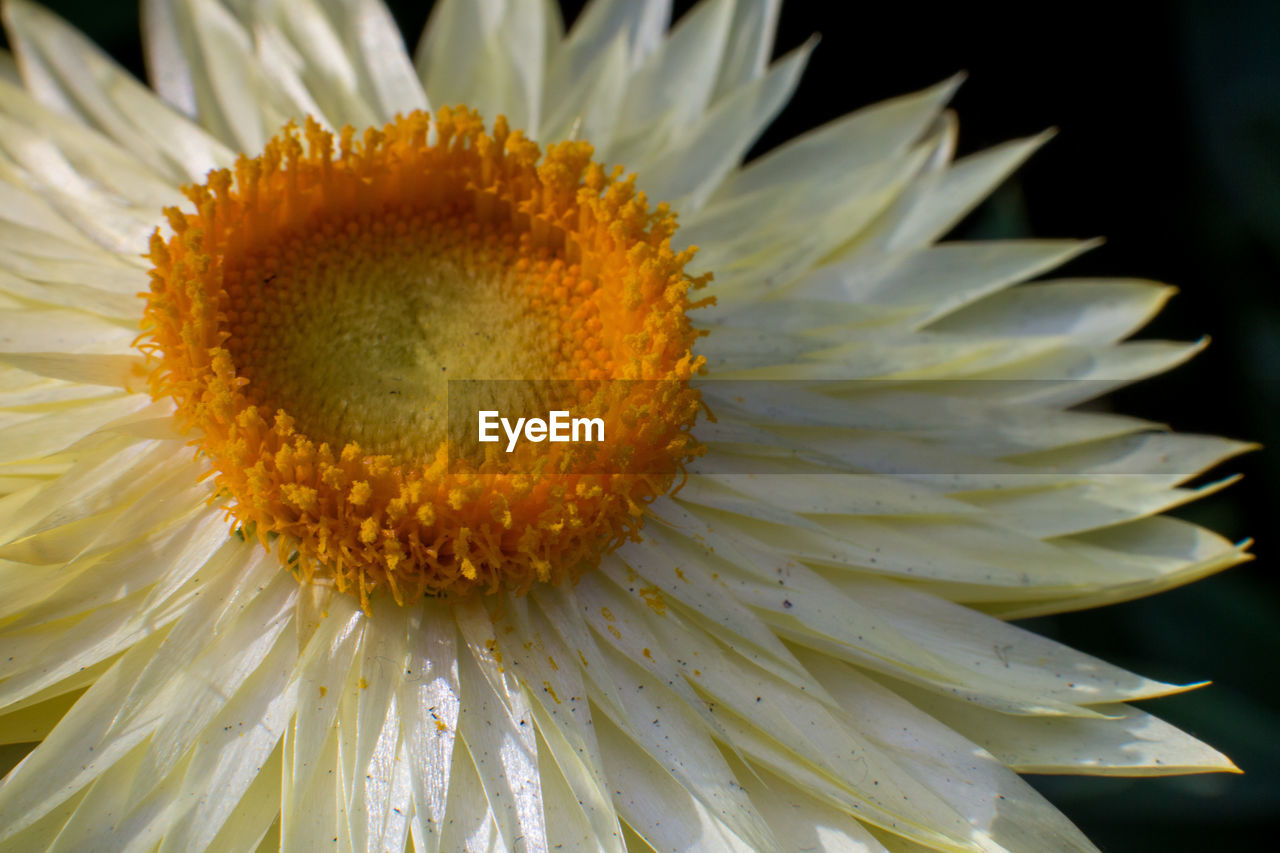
<point>801,648</point>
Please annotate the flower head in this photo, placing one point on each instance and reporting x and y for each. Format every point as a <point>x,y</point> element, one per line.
<point>260,593</point>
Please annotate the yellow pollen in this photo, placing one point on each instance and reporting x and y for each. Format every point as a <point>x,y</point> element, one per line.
<point>310,312</point>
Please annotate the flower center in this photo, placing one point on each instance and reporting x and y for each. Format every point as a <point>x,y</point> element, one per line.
<point>311,313</point>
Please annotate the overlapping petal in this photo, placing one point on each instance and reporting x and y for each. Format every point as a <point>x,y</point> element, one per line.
<point>810,656</point>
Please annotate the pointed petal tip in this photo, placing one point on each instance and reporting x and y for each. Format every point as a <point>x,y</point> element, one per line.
<point>1043,136</point>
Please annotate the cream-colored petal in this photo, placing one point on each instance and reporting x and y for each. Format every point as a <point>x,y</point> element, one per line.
<point>1095,311</point>
<point>688,171</point>
<point>679,77</point>
<point>642,24</point>
<point>666,576</point>
<point>559,702</point>
<point>32,723</point>
<point>1127,742</point>
<point>44,434</point>
<point>370,727</point>
<point>168,45</point>
<point>802,822</point>
<point>940,201</point>
<point>71,74</point>
<point>588,106</point>
<point>240,746</point>
<point>128,372</point>
<point>323,65</point>
<point>751,33</point>
<point>430,700</point>
<point>374,43</point>
<point>324,672</point>
<point>498,728</point>
<point>74,754</point>
<point>661,811</point>
<point>669,776</point>
<point>316,826</point>
<point>990,796</point>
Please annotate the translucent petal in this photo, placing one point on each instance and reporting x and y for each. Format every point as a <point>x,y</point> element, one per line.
<point>989,649</point>
<point>430,699</point>
<point>661,810</point>
<point>679,77</point>
<point>802,822</point>
<point>559,703</point>
<point>240,675</point>
<point>661,749</point>
<point>669,571</point>
<point>846,144</point>
<point>938,203</point>
<point>75,753</point>
<point>1096,311</point>
<point>34,722</point>
<point>370,729</point>
<point>589,108</point>
<point>324,673</point>
<point>67,71</point>
<point>750,43</point>
<point>237,747</point>
<point>941,278</point>
<point>167,45</point>
<point>470,824</point>
<point>641,22</point>
<point>689,172</point>
<point>498,728</point>
<point>321,62</point>
<point>375,45</point>
<point>323,819</point>
<point>119,371</point>
<point>991,797</point>
<point>105,802</point>
<point>45,434</point>
<point>1127,742</point>
<point>63,331</point>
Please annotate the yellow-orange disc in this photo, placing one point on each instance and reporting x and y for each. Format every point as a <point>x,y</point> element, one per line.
<point>310,312</point>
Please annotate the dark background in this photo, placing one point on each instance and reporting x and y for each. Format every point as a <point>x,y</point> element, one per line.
<point>1170,148</point>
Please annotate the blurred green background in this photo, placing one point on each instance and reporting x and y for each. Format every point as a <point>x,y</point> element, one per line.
<point>1170,148</point>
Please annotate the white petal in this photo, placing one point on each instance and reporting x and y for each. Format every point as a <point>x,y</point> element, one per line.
<point>310,801</point>
<point>70,73</point>
<point>750,43</point>
<point>498,728</point>
<point>670,776</point>
<point>370,728</point>
<point>641,22</point>
<point>851,142</point>
<point>689,171</point>
<point>660,810</point>
<point>119,371</point>
<point>430,699</point>
<point>943,198</point>
<point>168,46</point>
<point>1128,742</point>
<point>990,796</point>
<point>377,48</point>
<point>678,78</point>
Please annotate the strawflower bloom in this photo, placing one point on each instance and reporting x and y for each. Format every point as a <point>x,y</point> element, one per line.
<point>250,599</point>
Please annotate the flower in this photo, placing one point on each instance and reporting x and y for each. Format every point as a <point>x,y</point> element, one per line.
<point>785,630</point>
